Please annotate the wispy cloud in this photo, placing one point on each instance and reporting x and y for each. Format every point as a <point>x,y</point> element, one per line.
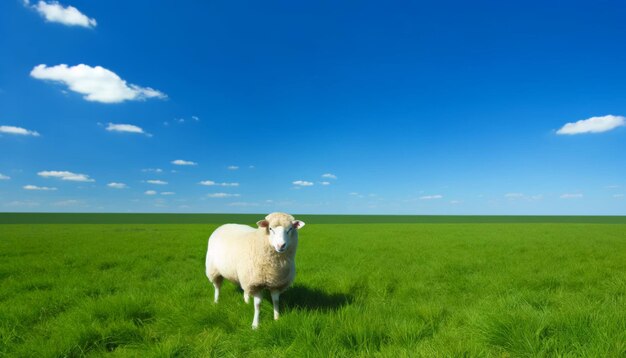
<point>212,183</point>
<point>431,197</point>
<point>522,196</point>
<point>232,167</point>
<point>65,175</point>
<point>324,183</point>
<point>52,11</point>
<point>25,203</point>
<point>70,202</point>
<point>117,185</point>
<point>593,125</point>
<point>150,192</point>
<point>35,187</point>
<point>618,195</point>
<point>243,204</point>
<point>4,177</point>
<point>329,176</point>
<point>302,183</point>
<point>18,131</point>
<point>152,170</point>
<point>571,196</point>
<point>183,162</point>
<point>126,128</point>
<point>95,83</point>
<point>223,195</point>
<point>156,182</point>
<point>167,193</point>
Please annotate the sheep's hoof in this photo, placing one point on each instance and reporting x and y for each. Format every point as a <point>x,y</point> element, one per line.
<point>255,326</point>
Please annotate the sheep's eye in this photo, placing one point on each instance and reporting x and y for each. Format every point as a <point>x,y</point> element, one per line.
<point>272,230</point>
<point>288,231</point>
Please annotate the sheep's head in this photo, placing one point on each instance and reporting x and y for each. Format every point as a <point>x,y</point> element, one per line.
<point>282,230</point>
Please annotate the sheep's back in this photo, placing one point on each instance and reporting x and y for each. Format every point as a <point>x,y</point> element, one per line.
<point>228,246</point>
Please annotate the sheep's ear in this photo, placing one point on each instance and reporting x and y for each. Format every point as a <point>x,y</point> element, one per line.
<point>263,223</point>
<point>298,224</point>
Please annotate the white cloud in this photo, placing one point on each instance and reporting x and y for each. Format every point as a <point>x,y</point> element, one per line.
<point>243,204</point>
<point>18,203</point>
<point>302,183</point>
<point>96,83</point>
<point>167,193</point>
<point>4,177</point>
<point>593,125</point>
<point>156,182</point>
<point>195,118</point>
<point>329,176</point>
<point>35,187</point>
<point>325,183</point>
<point>127,128</point>
<point>212,183</point>
<point>222,195</point>
<point>70,202</point>
<point>571,196</point>
<point>431,197</point>
<point>183,162</point>
<point>65,175</point>
<point>150,192</point>
<point>17,131</point>
<point>232,167</point>
<point>521,196</point>
<point>155,170</point>
<point>52,11</point>
<point>117,185</point>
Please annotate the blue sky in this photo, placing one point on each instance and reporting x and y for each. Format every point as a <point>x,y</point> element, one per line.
<point>412,108</point>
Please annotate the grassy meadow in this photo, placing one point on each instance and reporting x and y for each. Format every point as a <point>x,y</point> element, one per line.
<point>394,287</point>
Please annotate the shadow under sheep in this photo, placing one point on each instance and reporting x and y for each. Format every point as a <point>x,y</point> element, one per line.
<point>300,297</point>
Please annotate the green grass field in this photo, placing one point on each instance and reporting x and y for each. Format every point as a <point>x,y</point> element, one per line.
<point>515,287</point>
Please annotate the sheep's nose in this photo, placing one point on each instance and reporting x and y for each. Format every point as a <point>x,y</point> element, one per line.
<point>282,247</point>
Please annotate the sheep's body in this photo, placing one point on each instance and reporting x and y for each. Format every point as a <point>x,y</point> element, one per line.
<point>241,254</point>
<point>247,256</point>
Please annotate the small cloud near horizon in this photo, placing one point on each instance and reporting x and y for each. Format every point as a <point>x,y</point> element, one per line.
<point>35,187</point>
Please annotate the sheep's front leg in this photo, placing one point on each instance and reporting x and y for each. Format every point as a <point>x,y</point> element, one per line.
<point>246,297</point>
<point>258,297</point>
<point>275,295</point>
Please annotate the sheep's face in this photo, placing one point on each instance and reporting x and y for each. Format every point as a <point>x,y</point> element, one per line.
<point>281,237</point>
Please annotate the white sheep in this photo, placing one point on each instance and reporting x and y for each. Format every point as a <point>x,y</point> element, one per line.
<point>255,258</point>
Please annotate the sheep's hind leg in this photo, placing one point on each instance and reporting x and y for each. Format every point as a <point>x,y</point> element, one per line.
<point>275,295</point>
<point>258,297</point>
<point>217,283</point>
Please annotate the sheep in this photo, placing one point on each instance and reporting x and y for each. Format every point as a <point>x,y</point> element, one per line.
<point>255,258</point>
